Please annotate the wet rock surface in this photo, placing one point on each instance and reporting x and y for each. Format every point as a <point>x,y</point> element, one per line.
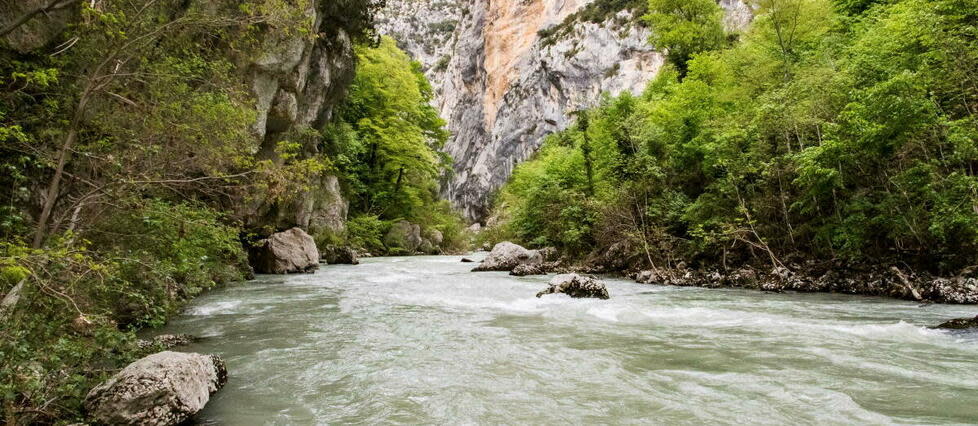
<point>505,256</point>
<point>525,269</point>
<point>577,286</point>
<point>165,388</point>
<point>829,277</point>
<point>960,324</point>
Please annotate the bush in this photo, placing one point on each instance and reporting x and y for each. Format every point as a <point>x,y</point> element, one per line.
<point>86,295</point>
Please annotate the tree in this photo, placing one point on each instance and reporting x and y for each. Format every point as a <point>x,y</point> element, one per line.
<point>398,132</point>
<point>685,28</point>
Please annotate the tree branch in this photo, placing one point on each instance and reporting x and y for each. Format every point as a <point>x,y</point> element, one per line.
<point>23,19</point>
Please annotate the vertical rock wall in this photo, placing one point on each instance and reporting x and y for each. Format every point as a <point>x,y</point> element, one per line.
<point>502,87</point>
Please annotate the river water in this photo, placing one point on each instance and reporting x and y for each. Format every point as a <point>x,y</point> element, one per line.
<point>422,340</point>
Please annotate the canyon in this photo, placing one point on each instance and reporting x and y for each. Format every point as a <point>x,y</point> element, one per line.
<point>508,73</point>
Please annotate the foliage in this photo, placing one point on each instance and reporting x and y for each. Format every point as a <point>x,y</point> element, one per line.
<point>85,294</point>
<point>386,145</point>
<point>822,133</point>
<point>126,145</point>
<point>685,27</point>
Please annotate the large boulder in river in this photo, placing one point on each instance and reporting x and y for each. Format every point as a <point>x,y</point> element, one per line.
<point>404,236</point>
<point>340,255</point>
<point>505,256</point>
<point>960,324</point>
<point>285,253</point>
<point>575,285</point>
<point>165,388</point>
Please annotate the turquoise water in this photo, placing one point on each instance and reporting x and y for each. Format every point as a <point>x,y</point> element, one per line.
<point>422,340</point>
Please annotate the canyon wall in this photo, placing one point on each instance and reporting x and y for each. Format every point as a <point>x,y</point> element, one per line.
<point>509,72</point>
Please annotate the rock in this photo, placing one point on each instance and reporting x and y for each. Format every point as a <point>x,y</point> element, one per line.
<point>405,236</point>
<point>427,247</point>
<point>475,228</point>
<point>435,236</point>
<point>467,260</point>
<point>548,253</point>
<point>165,388</point>
<point>505,256</point>
<point>525,269</point>
<point>167,341</point>
<point>295,82</point>
<point>960,324</point>
<point>577,286</point>
<point>36,32</point>
<point>83,325</point>
<point>285,253</point>
<point>339,255</point>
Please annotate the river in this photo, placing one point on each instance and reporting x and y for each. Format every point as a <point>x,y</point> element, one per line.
<point>422,340</point>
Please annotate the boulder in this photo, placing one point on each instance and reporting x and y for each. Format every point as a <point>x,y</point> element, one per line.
<point>285,253</point>
<point>505,256</point>
<point>339,255</point>
<point>577,286</point>
<point>960,324</point>
<point>165,388</point>
<point>549,253</point>
<point>404,235</point>
<point>435,236</point>
<point>525,269</point>
<point>427,247</point>
<point>467,260</point>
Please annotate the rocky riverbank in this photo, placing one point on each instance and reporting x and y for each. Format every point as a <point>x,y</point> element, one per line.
<point>830,277</point>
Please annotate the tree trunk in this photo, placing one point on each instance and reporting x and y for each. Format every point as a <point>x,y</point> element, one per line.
<point>52,193</point>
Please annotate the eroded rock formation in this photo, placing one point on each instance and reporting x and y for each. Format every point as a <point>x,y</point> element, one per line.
<point>503,85</point>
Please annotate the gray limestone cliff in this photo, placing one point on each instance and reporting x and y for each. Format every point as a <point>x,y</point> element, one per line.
<point>296,82</point>
<point>509,72</point>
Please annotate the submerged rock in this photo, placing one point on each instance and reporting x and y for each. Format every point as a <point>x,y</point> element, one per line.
<point>166,388</point>
<point>505,256</point>
<point>960,324</point>
<point>340,255</point>
<point>467,260</point>
<point>578,286</point>
<point>525,269</point>
<point>285,253</point>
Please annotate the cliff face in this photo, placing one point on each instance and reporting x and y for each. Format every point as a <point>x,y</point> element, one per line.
<point>296,83</point>
<point>502,86</point>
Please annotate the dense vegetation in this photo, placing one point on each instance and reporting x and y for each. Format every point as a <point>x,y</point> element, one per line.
<point>828,131</point>
<point>128,154</point>
<point>386,142</point>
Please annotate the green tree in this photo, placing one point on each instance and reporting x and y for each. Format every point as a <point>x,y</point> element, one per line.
<point>685,28</point>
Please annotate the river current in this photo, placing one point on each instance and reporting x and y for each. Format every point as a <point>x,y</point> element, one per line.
<point>423,340</point>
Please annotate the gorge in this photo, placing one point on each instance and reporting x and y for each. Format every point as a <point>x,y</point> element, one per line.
<point>508,73</point>
<point>698,211</point>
